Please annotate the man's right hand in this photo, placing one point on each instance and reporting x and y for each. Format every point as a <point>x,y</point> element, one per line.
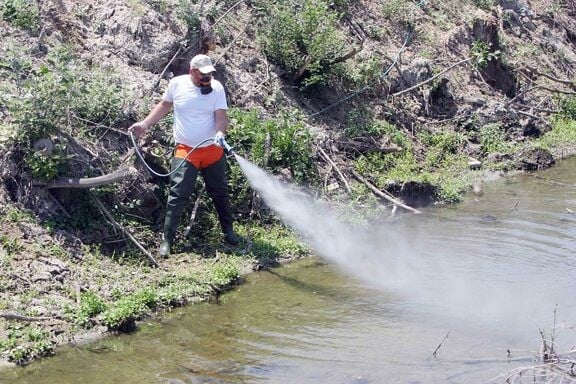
<point>138,128</point>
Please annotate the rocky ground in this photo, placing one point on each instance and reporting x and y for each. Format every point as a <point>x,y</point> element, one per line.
<point>453,66</point>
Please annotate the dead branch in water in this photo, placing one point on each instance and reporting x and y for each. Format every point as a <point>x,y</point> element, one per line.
<point>124,231</point>
<point>440,345</point>
<point>386,196</point>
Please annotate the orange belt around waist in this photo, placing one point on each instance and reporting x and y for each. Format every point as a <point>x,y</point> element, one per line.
<point>201,157</point>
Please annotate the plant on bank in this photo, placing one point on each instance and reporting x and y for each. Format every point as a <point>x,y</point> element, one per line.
<point>20,13</point>
<point>275,144</point>
<point>63,97</point>
<point>304,40</point>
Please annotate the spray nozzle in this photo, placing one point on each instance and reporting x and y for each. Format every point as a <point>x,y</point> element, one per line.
<point>224,144</point>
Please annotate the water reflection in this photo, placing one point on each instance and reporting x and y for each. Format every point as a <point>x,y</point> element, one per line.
<point>491,271</point>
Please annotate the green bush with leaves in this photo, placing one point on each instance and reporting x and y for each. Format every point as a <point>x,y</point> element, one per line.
<point>20,13</point>
<point>90,305</point>
<point>302,35</point>
<point>283,142</point>
<point>568,107</point>
<point>62,97</point>
<point>492,139</point>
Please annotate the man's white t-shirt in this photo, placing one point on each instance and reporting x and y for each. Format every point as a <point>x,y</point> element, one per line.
<point>194,112</point>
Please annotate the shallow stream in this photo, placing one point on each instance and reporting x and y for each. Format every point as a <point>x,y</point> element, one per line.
<point>474,283</point>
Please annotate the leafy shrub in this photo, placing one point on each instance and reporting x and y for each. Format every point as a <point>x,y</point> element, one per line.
<point>20,13</point>
<point>492,139</point>
<point>280,143</point>
<point>62,96</point>
<point>568,107</point>
<point>302,35</point>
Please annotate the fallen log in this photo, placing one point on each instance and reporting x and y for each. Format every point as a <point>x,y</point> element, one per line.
<point>91,182</point>
<point>18,317</point>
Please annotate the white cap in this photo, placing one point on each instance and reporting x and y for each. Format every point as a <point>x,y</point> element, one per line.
<point>202,63</point>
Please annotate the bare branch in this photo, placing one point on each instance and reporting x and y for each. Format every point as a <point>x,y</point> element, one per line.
<point>386,196</point>
<point>329,160</point>
<point>432,78</point>
<point>124,231</point>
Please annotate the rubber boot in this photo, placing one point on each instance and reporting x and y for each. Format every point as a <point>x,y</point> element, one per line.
<point>217,187</point>
<point>181,187</point>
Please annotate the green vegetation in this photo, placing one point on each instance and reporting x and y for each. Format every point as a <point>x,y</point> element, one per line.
<point>400,11</point>
<point>283,142</point>
<point>64,97</point>
<point>305,40</point>
<point>90,306</point>
<point>493,139</point>
<point>24,343</point>
<point>20,13</point>
<point>482,53</point>
<point>568,107</point>
<point>129,308</point>
<point>563,134</point>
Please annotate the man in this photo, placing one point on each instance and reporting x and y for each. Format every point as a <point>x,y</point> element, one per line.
<point>200,106</point>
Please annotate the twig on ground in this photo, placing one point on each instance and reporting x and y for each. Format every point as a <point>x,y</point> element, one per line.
<point>329,160</point>
<point>151,91</point>
<point>124,231</point>
<point>432,78</point>
<point>194,210</point>
<point>229,47</point>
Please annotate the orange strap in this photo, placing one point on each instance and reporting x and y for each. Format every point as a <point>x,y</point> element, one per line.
<point>201,157</point>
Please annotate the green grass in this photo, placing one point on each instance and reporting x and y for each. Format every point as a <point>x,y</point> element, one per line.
<point>563,134</point>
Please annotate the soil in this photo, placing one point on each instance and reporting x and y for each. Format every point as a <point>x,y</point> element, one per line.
<point>532,47</point>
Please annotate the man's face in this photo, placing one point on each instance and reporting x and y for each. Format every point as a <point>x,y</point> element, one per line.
<point>199,77</point>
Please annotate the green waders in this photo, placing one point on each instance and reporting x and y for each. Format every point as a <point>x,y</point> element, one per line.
<point>182,185</point>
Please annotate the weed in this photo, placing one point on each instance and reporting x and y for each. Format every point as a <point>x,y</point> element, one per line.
<point>129,308</point>
<point>10,245</point>
<point>274,144</point>
<point>16,215</point>
<point>90,305</point>
<point>224,273</point>
<point>400,11</point>
<point>305,39</point>
<point>482,53</point>
<point>568,107</point>
<point>23,344</point>
<point>20,13</point>
<point>492,139</point>
<point>563,133</point>
<point>484,4</point>
<point>63,88</point>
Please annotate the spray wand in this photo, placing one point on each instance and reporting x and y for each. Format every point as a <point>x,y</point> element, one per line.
<point>224,144</point>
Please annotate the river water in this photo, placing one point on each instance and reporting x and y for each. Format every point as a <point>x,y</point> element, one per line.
<point>474,283</point>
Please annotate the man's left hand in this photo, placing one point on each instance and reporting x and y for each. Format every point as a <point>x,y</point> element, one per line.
<point>219,138</point>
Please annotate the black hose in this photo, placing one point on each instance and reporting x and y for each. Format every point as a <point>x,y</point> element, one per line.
<point>139,154</point>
